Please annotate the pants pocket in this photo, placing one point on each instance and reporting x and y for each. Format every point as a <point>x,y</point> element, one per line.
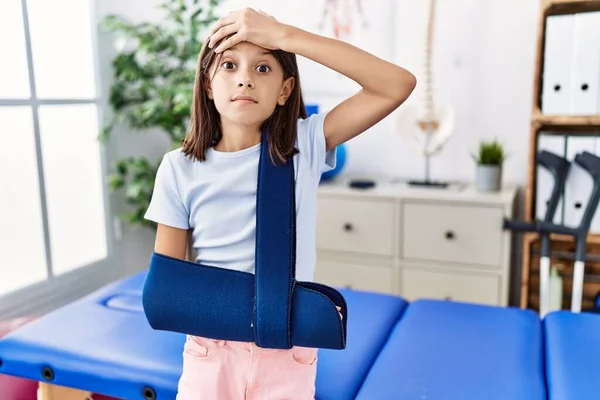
<point>305,356</point>
<point>197,347</point>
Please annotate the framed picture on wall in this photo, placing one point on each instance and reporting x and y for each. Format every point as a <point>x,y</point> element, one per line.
<point>368,25</point>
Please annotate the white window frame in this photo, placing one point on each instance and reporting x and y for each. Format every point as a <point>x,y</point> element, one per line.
<point>55,291</point>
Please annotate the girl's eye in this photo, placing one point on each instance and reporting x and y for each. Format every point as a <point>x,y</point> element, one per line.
<point>228,65</point>
<point>263,68</point>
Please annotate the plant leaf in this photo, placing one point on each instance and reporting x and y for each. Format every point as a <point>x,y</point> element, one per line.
<point>152,88</point>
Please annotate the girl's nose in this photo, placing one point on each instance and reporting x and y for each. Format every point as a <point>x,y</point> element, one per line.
<point>245,81</point>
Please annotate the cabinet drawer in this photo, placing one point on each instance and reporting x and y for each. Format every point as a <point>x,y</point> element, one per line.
<point>459,234</point>
<point>455,286</point>
<point>364,226</point>
<point>360,277</point>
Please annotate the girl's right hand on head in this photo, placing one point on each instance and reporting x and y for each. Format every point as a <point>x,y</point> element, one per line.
<point>246,25</point>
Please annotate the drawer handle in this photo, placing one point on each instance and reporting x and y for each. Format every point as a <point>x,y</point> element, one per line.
<point>348,227</point>
<point>448,298</point>
<point>450,235</point>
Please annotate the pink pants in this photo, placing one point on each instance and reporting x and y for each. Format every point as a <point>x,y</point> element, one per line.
<point>226,370</point>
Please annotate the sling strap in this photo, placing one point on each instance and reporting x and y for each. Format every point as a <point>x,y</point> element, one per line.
<point>275,250</point>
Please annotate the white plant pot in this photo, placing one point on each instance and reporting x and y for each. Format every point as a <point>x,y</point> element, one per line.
<point>489,178</point>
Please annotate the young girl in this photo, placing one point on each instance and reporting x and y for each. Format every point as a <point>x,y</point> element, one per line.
<point>247,76</point>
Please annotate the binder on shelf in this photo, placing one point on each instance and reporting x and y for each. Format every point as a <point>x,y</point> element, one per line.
<point>557,67</point>
<point>586,64</point>
<point>578,187</point>
<point>544,180</point>
<point>595,226</point>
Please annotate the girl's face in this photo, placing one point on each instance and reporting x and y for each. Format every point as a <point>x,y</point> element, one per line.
<point>246,84</point>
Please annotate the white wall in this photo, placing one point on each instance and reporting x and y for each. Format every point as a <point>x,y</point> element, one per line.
<point>134,245</point>
<point>483,67</point>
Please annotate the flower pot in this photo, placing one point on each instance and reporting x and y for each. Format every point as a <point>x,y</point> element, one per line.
<point>489,178</point>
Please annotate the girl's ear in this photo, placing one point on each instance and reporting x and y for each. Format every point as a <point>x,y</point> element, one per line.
<point>286,90</point>
<point>208,87</point>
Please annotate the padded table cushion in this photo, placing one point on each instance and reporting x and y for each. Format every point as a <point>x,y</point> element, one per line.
<point>101,343</point>
<point>572,354</point>
<point>458,351</point>
<point>370,321</point>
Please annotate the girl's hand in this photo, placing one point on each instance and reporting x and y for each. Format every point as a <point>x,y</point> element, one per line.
<point>246,25</point>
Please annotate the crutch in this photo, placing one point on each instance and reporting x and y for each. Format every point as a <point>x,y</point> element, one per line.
<point>559,169</point>
<point>591,164</point>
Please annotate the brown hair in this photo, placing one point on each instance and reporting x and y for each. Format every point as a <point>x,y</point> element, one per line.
<point>205,122</point>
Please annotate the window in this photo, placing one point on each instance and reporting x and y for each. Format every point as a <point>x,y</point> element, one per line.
<point>52,202</point>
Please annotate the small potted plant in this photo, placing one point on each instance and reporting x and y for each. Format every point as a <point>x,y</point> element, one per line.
<point>489,159</point>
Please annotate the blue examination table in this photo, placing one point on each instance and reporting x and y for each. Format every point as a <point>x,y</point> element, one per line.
<point>424,349</point>
<point>455,351</point>
<point>572,355</point>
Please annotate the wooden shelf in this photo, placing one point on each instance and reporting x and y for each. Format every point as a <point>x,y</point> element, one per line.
<point>555,124</point>
<point>561,244</point>
<point>532,237</point>
<point>558,7</point>
<point>566,123</point>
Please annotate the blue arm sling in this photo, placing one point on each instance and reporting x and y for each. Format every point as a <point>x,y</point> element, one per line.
<point>270,307</point>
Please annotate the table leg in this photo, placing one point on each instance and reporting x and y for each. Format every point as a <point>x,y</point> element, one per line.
<point>47,391</point>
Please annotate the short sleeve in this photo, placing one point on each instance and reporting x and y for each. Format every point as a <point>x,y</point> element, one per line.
<point>166,206</point>
<point>311,142</point>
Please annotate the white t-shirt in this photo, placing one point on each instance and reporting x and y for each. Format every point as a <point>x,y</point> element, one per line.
<point>217,199</point>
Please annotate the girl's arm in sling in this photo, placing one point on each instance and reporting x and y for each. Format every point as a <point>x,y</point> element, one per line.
<point>171,241</point>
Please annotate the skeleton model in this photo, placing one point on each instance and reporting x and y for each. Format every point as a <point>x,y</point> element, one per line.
<point>340,12</point>
<point>427,126</point>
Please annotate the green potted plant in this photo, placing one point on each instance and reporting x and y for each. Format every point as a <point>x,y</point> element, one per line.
<point>489,159</point>
<point>152,87</point>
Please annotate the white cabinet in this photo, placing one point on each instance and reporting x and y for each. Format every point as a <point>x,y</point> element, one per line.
<point>375,278</point>
<point>416,243</point>
<point>353,225</point>
<point>453,285</point>
<point>451,233</point>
